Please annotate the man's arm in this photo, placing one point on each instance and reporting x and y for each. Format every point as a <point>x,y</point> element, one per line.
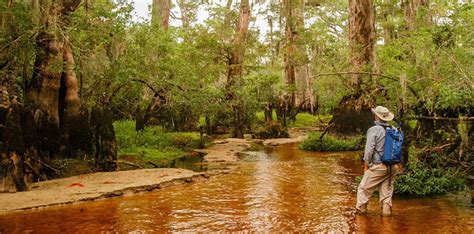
<point>369,148</point>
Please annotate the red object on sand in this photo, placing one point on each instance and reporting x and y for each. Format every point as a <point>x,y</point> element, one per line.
<point>76,185</point>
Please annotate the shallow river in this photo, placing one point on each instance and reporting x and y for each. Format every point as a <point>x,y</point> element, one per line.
<point>275,189</point>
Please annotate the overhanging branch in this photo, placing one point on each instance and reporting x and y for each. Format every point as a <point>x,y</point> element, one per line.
<point>367,73</point>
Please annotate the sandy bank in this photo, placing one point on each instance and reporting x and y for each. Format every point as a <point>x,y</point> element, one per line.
<point>225,150</point>
<point>95,186</point>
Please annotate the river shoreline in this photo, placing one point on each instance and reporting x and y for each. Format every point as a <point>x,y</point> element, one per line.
<point>103,185</point>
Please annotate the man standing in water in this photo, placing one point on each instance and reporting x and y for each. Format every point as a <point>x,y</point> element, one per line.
<point>376,174</point>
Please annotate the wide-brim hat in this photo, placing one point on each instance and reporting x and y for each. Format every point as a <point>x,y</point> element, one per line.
<point>383,113</point>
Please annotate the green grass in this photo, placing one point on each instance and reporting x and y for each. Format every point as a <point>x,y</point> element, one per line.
<point>152,154</point>
<point>303,120</point>
<point>331,143</point>
<point>260,116</point>
<point>152,144</point>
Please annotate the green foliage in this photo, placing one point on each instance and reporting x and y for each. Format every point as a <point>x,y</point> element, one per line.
<point>153,142</point>
<point>429,176</point>
<point>434,60</point>
<point>422,180</point>
<point>308,120</point>
<point>330,143</point>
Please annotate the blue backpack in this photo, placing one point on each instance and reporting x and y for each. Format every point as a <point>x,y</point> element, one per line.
<point>392,153</point>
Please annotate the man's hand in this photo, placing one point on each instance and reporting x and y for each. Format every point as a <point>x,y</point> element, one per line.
<point>366,166</point>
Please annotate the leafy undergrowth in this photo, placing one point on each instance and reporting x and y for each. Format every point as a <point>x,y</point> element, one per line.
<point>425,179</point>
<point>153,146</point>
<point>331,143</point>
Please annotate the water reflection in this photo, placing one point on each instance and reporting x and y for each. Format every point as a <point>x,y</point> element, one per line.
<point>277,189</point>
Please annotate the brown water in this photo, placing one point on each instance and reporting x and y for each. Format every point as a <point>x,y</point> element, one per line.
<point>276,189</point>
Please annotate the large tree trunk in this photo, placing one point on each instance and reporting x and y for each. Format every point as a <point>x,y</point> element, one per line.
<point>12,176</point>
<point>53,123</point>
<point>294,21</point>
<point>73,118</point>
<point>54,52</point>
<point>296,60</point>
<point>361,40</point>
<point>304,88</point>
<point>234,75</point>
<point>53,89</point>
<point>72,104</point>
<point>352,116</point>
<point>12,150</point>
<point>301,60</point>
<point>160,15</point>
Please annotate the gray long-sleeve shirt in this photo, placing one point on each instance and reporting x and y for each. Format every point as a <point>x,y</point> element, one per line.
<point>375,143</point>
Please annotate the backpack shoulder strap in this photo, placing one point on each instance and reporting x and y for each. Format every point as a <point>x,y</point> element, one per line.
<point>375,149</point>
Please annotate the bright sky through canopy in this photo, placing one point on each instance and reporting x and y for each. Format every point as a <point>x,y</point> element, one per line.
<point>141,12</point>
